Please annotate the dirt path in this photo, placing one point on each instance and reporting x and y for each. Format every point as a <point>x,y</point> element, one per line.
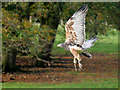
<point>62,70</point>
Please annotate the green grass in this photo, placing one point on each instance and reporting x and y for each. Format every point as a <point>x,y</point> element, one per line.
<point>90,83</point>
<point>105,44</point>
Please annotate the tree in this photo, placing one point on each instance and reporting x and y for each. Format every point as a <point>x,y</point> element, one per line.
<point>19,33</point>
<point>49,16</point>
<point>8,34</point>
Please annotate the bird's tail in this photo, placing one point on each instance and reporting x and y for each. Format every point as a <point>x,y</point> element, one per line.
<point>87,54</point>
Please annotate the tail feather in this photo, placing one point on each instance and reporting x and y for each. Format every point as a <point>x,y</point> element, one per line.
<point>87,54</point>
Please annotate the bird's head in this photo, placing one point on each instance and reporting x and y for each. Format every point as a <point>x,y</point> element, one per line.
<point>61,45</point>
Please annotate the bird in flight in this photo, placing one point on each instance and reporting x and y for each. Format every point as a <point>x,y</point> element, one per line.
<point>75,36</point>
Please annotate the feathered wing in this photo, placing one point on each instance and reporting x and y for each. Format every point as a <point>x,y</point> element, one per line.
<point>88,44</point>
<point>75,27</point>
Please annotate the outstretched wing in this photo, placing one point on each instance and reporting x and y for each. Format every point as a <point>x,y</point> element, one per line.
<point>75,27</point>
<point>88,44</point>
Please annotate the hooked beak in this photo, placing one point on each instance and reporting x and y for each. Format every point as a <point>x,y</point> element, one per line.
<point>59,45</point>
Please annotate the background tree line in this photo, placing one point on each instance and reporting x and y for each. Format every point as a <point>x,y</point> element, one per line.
<point>30,27</point>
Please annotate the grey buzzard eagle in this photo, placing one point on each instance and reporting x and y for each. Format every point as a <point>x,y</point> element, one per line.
<point>75,36</point>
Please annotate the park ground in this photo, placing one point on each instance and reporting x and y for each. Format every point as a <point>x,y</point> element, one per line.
<point>98,72</point>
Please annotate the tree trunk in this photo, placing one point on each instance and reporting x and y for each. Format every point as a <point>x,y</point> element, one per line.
<point>95,29</point>
<point>45,54</point>
<point>52,21</point>
<point>9,60</point>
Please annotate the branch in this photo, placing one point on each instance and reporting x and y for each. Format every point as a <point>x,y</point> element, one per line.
<point>43,60</point>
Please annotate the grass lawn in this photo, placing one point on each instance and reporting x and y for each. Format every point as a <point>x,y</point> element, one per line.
<point>105,44</point>
<point>84,83</point>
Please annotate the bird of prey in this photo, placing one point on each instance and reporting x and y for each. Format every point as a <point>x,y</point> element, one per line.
<point>75,36</point>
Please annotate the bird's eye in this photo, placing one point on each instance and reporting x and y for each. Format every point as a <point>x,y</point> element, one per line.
<point>78,45</point>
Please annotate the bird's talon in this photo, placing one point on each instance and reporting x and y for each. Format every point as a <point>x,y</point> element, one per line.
<point>75,69</point>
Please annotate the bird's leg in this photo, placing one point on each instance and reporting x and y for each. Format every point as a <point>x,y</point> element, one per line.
<point>76,56</point>
<point>79,59</point>
<point>80,65</point>
<point>74,61</point>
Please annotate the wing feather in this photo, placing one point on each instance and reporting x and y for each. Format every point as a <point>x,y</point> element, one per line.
<point>75,27</point>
